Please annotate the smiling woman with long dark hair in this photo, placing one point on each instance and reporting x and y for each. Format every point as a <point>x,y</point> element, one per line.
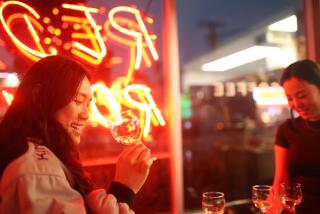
<point>40,169</point>
<point>297,145</point>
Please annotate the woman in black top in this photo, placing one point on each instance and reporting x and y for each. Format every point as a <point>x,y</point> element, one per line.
<point>297,145</point>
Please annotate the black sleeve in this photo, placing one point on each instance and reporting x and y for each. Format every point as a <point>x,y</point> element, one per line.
<point>123,193</point>
<point>281,139</point>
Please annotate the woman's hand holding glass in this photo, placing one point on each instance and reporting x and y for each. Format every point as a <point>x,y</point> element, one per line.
<point>133,166</point>
<point>135,160</point>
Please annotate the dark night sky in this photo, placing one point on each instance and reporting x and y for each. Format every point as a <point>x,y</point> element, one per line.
<point>234,16</point>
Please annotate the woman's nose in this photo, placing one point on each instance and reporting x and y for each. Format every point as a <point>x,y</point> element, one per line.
<point>84,113</point>
<point>297,103</point>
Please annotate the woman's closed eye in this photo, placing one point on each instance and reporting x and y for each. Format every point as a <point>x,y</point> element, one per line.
<point>301,96</point>
<point>78,101</point>
<point>83,102</point>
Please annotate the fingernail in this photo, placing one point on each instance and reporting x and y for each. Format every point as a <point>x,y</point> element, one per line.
<point>150,161</point>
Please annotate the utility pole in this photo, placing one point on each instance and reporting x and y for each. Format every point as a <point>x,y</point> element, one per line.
<point>212,31</point>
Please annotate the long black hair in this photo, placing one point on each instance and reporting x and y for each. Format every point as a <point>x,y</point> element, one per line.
<point>306,70</point>
<point>50,84</point>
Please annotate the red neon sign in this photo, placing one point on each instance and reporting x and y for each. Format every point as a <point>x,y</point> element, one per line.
<point>3,66</point>
<point>88,44</point>
<point>90,31</point>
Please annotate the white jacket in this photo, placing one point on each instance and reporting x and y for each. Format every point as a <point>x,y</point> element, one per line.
<point>36,183</point>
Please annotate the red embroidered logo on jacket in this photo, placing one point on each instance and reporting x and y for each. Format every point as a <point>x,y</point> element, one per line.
<point>41,152</point>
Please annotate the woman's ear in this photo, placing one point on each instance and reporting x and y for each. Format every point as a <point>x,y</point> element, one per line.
<point>35,93</point>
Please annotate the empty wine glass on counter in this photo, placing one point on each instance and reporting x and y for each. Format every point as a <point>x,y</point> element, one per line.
<point>262,196</point>
<point>291,195</point>
<point>213,202</point>
<point>125,128</point>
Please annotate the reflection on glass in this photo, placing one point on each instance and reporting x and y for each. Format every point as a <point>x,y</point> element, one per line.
<point>262,196</point>
<point>213,202</point>
<point>125,128</point>
<point>291,195</point>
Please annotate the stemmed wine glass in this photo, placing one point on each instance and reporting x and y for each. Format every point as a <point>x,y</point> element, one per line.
<point>262,196</point>
<point>125,127</point>
<point>291,194</point>
<point>213,202</point>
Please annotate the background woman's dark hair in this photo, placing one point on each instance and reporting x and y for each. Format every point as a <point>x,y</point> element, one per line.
<point>306,70</point>
<point>50,84</point>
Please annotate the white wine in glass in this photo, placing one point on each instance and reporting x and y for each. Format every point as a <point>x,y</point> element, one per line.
<point>125,128</point>
<point>291,194</point>
<point>262,197</point>
<point>213,202</point>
